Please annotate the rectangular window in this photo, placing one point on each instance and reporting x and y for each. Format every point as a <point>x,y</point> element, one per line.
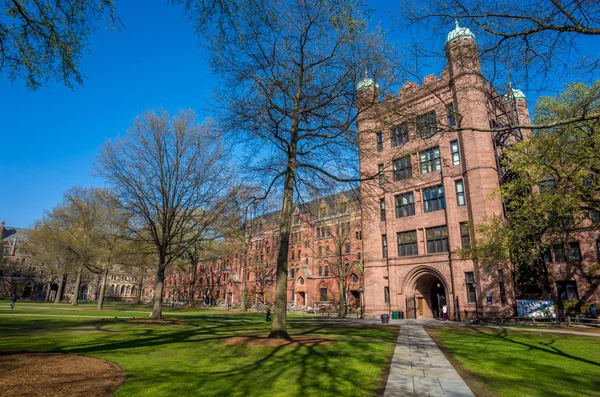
<point>326,271</point>
<point>567,290</point>
<point>465,238</point>
<point>386,294</point>
<point>399,135</point>
<point>402,168</point>
<point>293,273</point>
<point>430,160</point>
<point>502,287</point>
<point>381,175</point>
<point>407,243</point>
<point>455,152</point>
<point>470,280</point>
<point>427,125</point>
<point>379,142</point>
<point>594,216</point>
<point>437,239</point>
<point>450,115</point>
<point>384,250</point>
<point>574,252</point>
<point>559,253</point>
<point>433,198</point>
<point>382,209</point>
<point>405,205</point>
<point>347,248</point>
<point>460,193</point>
<point>323,294</point>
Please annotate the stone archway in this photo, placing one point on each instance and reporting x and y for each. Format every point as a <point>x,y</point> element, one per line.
<point>426,293</point>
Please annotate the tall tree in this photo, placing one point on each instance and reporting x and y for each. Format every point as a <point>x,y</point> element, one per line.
<point>288,72</point>
<point>170,175</point>
<point>42,40</point>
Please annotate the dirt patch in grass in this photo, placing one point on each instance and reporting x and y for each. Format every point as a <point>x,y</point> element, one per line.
<point>43,374</point>
<point>477,387</point>
<point>164,321</point>
<point>272,342</point>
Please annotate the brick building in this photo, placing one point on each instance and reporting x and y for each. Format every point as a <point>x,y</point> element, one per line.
<point>434,180</point>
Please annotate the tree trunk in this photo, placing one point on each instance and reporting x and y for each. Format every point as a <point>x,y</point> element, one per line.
<point>342,288</point>
<point>103,288</point>
<point>61,288</point>
<point>158,292</point>
<point>141,286</point>
<point>193,284</point>
<point>77,287</point>
<point>279,326</point>
<point>243,297</point>
<point>49,291</point>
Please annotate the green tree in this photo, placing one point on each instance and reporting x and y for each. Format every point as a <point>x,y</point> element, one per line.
<point>42,40</point>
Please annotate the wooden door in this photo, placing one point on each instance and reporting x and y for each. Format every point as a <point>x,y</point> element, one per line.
<point>420,306</point>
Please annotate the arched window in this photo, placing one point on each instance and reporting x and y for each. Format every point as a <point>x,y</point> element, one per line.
<point>301,281</point>
<point>354,278</point>
<point>320,270</point>
<point>358,255</point>
<point>112,290</point>
<point>128,290</point>
<point>122,290</point>
<point>326,271</point>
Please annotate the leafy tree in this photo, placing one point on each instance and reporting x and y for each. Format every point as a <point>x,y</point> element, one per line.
<point>288,72</point>
<point>553,187</point>
<point>42,40</point>
<point>170,175</point>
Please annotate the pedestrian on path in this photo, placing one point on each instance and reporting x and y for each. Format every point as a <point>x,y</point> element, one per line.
<point>445,313</point>
<point>13,299</point>
<point>268,315</point>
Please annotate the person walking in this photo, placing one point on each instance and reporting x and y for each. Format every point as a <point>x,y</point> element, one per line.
<point>445,313</point>
<point>593,312</point>
<point>13,299</point>
<point>268,315</point>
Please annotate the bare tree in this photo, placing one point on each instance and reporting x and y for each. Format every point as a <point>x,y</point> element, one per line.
<point>42,40</point>
<point>288,74</point>
<point>170,175</point>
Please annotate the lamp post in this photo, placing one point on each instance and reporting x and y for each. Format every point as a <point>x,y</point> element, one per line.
<point>360,291</point>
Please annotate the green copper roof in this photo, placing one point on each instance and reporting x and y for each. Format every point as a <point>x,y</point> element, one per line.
<point>459,33</point>
<point>365,83</point>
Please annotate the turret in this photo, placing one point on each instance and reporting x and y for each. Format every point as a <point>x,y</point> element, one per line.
<point>367,92</point>
<point>461,51</point>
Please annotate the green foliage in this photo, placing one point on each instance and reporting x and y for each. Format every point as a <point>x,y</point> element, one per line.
<point>43,40</point>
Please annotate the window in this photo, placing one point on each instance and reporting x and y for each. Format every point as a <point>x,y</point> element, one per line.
<point>384,245</point>
<point>407,243</point>
<point>502,288</point>
<point>402,168</point>
<point>437,239</point>
<point>320,270</point>
<point>434,198</point>
<point>354,278</point>
<point>379,142</point>
<point>293,273</point>
<point>326,271</point>
<point>559,253</point>
<point>460,193</point>
<point>381,175</point>
<point>386,294</point>
<point>382,209</point>
<point>347,248</point>
<point>470,280</point>
<point>299,254</point>
<point>574,252</point>
<point>465,238</point>
<point>405,205</point>
<point>399,135</point>
<point>293,255</point>
<point>346,268</point>
<point>430,160</point>
<point>455,152</point>
<point>301,280</point>
<point>567,290</point>
<point>594,216</point>
<point>358,235</point>
<point>320,251</point>
<point>547,186</point>
<point>427,124</point>
<point>323,294</point>
<point>450,115</point>
<point>358,255</point>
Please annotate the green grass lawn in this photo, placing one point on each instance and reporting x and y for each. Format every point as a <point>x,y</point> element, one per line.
<point>513,363</point>
<point>187,358</point>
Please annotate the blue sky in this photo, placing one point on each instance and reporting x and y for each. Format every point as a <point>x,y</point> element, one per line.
<point>50,137</point>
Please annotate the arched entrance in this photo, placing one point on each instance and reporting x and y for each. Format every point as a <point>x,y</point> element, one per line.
<point>427,296</point>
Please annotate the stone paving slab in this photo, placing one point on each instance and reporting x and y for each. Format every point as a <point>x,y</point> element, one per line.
<point>420,369</point>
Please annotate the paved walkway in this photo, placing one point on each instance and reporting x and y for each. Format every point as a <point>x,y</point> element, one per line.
<point>419,368</point>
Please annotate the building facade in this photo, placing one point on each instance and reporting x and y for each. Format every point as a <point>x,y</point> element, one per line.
<point>437,170</point>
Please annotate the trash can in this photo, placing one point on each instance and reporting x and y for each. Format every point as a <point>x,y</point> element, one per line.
<point>385,318</point>
<point>394,315</point>
<point>401,315</point>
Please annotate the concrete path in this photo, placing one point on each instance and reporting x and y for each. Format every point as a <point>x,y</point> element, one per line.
<point>419,368</point>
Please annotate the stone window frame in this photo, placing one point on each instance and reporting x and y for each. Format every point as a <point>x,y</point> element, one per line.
<point>437,240</point>
<point>408,243</point>
<point>402,168</point>
<point>405,209</point>
<point>430,160</point>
